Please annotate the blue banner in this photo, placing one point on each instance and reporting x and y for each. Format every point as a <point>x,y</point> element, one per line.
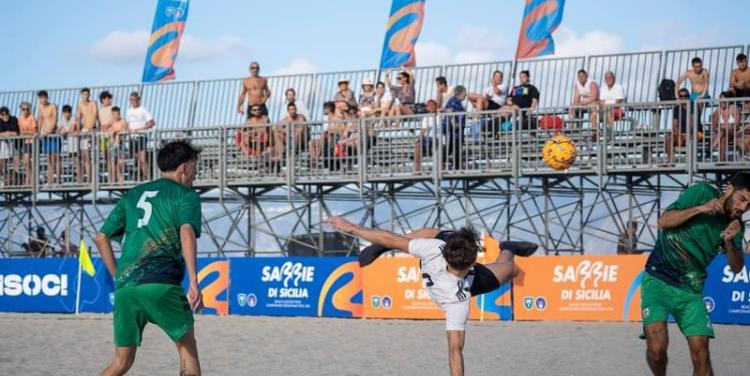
<point>401,33</point>
<point>38,285</point>
<point>540,19</point>
<point>169,23</point>
<point>727,294</point>
<point>296,286</point>
<point>97,292</point>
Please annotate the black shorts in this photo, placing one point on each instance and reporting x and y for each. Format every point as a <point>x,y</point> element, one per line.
<point>741,93</point>
<point>263,109</point>
<point>138,143</point>
<point>492,105</point>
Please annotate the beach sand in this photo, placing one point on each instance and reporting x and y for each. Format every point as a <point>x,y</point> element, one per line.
<point>37,344</point>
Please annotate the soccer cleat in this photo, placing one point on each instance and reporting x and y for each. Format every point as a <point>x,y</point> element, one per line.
<point>523,249</point>
<point>370,254</point>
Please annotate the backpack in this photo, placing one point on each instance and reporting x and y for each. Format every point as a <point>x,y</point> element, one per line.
<point>666,90</point>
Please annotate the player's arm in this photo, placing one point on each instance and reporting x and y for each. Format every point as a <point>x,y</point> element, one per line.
<point>675,218</point>
<point>734,255</point>
<point>189,252</point>
<point>104,246</point>
<point>423,233</point>
<point>455,351</point>
<point>678,84</point>
<point>380,237</point>
<point>113,226</point>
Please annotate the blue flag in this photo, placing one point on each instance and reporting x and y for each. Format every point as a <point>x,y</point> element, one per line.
<point>401,34</point>
<point>540,19</point>
<point>169,23</point>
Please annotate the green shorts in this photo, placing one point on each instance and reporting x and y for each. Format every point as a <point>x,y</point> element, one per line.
<point>162,304</point>
<point>659,299</point>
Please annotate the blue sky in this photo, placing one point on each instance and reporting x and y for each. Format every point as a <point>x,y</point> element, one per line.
<point>55,44</point>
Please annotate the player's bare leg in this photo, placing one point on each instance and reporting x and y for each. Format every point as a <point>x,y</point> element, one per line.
<point>188,350</point>
<point>123,360</point>
<point>657,341</point>
<point>700,355</point>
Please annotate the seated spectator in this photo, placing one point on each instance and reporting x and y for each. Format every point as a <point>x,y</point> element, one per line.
<point>698,77</point>
<point>524,97</point>
<point>252,139</point>
<point>454,125</point>
<point>443,92</point>
<point>424,142</point>
<point>333,124</point>
<point>383,99</point>
<point>9,148</point>
<point>116,165</point>
<point>349,137</point>
<point>68,128</point>
<point>724,126</point>
<point>628,242</point>
<point>291,97</point>
<point>51,142</point>
<point>294,121</point>
<point>139,121</point>
<point>367,99</point>
<point>403,93</point>
<point>39,246</point>
<point>493,97</point>
<point>29,127</point>
<point>69,248</point>
<point>585,93</point>
<point>344,95</point>
<point>612,93</point>
<point>739,80</point>
<point>681,120</point>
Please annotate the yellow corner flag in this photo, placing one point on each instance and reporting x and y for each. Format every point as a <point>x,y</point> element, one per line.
<point>85,260</point>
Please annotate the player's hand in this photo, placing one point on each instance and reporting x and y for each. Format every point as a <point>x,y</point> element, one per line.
<point>195,297</point>
<point>240,110</point>
<point>712,207</point>
<point>341,224</point>
<point>731,231</point>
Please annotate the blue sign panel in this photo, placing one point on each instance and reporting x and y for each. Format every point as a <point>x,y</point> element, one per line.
<point>39,285</point>
<point>727,294</point>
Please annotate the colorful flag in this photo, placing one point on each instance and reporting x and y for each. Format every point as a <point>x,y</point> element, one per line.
<point>85,260</point>
<point>169,23</point>
<point>401,34</point>
<point>540,19</point>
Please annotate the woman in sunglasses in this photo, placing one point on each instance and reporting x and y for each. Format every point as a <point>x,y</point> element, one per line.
<point>403,93</point>
<point>28,126</point>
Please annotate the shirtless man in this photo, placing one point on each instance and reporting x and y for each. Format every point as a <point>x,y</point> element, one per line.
<point>255,88</point>
<point>253,140</point>
<point>117,154</point>
<point>293,119</point>
<point>698,77</point>
<point>105,122</point>
<point>29,127</point>
<point>739,80</point>
<point>51,142</point>
<point>86,115</point>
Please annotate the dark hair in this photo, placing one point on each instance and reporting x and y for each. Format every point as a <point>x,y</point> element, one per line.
<point>4,110</point>
<point>330,106</point>
<point>174,153</point>
<point>461,248</point>
<point>380,83</point>
<point>290,89</point>
<point>116,109</point>
<point>104,95</point>
<point>683,90</point>
<point>67,108</point>
<point>42,93</point>
<point>291,104</point>
<point>441,80</point>
<point>741,181</point>
<point>583,71</point>
<point>135,94</point>
<point>85,90</point>
<point>741,57</point>
<point>526,72</point>
<point>726,94</point>
<point>696,60</point>
<point>498,71</point>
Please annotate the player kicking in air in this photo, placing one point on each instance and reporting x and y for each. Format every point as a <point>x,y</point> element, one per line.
<point>160,221</point>
<point>449,270</point>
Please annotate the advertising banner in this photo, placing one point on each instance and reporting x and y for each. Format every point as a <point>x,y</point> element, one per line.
<point>296,286</point>
<point>587,288</point>
<point>38,285</point>
<point>727,294</point>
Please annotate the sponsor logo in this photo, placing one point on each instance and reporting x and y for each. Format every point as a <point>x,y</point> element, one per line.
<point>586,271</point>
<point>242,299</point>
<point>646,312</point>
<point>387,302</point>
<point>294,272</point>
<point>528,302</point>
<point>252,300</point>
<point>731,277</point>
<point>541,303</point>
<point>710,303</point>
<point>112,298</point>
<point>375,301</point>
<point>34,284</point>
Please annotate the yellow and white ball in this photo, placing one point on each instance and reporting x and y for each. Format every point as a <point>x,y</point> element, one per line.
<point>559,152</point>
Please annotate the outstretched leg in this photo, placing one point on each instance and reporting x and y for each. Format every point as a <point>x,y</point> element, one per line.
<point>123,360</point>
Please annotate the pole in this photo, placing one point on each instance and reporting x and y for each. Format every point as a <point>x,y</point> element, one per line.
<point>78,285</point>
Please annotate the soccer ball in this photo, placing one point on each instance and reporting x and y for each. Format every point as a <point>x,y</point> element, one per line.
<point>559,152</point>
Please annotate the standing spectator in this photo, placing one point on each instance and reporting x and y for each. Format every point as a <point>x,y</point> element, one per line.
<point>424,143</point>
<point>698,77</point>
<point>29,127</point>
<point>255,88</point>
<point>443,92</point>
<point>739,80</point>
<point>585,93</point>
<point>291,97</point>
<point>493,97</point>
<point>116,146</point>
<point>367,99</point>
<point>139,121</point>
<point>51,142</point>
<point>68,129</point>
<point>383,99</point>
<point>403,93</point>
<point>724,126</point>
<point>105,123</point>
<point>8,148</point>
<point>344,95</point>
<point>453,126</point>
<point>612,93</point>
<point>86,116</point>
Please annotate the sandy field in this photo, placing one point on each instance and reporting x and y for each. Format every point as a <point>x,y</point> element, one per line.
<point>35,344</point>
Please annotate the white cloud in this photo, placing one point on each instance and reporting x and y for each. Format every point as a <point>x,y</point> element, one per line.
<point>471,56</point>
<point>298,66</point>
<point>480,38</point>
<point>432,53</point>
<point>129,47</point>
<point>596,42</point>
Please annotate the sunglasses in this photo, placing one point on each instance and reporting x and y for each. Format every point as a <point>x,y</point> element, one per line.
<point>24,109</point>
<point>254,68</point>
<point>255,110</point>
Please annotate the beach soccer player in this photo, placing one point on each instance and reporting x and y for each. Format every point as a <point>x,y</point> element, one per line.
<point>692,231</point>
<point>160,221</point>
<point>449,270</point>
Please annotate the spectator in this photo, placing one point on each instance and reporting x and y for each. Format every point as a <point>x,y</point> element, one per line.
<point>424,143</point>
<point>116,166</point>
<point>383,99</point>
<point>67,248</point>
<point>252,138</point>
<point>443,91</point>
<point>349,138</point>
<point>453,126</point>
<point>295,121</point>
<point>67,128</point>
<point>628,242</point>
<point>681,120</point>
<point>255,88</point>
<point>29,127</point>
<point>724,126</point>
<point>524,97</point>
<point>8,148</point>
<point>585,93</point>
<point>612,93</point>
<point>367,99</point>
<point>698,77</point>
<point>739,80</point>
<point>493,97</point>
<point>291,97</point>
<point>403,93</point>
<point>39,246</point>
<point>320,147</point>
<point>86,115</point>
<point>344,95</point>
<point>51,142</point>
<point>139,121</point>
<point>105,123</point>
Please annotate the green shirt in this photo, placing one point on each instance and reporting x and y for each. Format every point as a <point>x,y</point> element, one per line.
<point>149,216</point>
<point>682,254</point>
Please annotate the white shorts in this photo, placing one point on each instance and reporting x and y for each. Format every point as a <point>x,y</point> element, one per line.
<point>456,315</point>
<point>6,150</point>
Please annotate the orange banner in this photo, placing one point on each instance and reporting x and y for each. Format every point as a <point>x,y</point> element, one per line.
<point>586,288</point>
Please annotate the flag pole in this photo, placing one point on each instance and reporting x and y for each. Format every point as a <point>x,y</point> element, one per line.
<point>78,285</point>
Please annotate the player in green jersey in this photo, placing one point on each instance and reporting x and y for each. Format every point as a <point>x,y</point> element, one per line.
<point>693,230</point>
<point>160,222</point>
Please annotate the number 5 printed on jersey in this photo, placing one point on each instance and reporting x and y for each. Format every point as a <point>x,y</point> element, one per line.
<point>146,207</point>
